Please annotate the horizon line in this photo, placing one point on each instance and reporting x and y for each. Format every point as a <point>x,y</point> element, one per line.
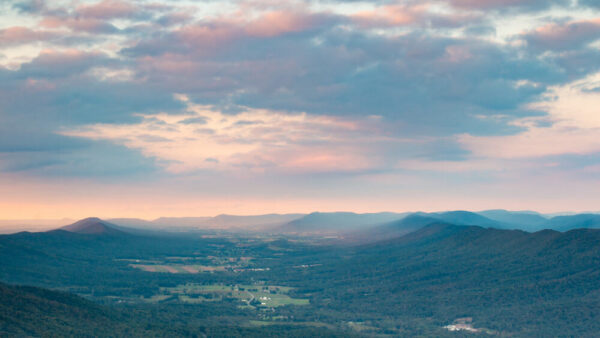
<point>67,218</point>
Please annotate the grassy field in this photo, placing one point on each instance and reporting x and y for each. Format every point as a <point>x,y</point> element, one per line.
<point>157,298</point>
<point>192,264</point>
<point>177,268</point>
<point>252,295</point>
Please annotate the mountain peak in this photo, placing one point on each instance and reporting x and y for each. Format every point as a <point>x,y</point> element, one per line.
<point>92,226</point>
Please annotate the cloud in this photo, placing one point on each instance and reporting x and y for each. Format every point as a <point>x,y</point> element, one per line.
<point>79,24</point>
<point>590,3</point>
<point>214,35</point>
<point>61,63</point>
<point>107,9</point>
<point>21,35</point>
<point>249,140</point>
<point>31,6</point>
<point>390,15</point>
<point>415,96</point>
<point>573,128</point>
<point>504,4</point>
<point>91,18</point>
<point>418,14</point>
<point>561,36</point>
<point>77,158</point>
<point>427,82</point>
<point>276,23</point>
<point>175,18</point>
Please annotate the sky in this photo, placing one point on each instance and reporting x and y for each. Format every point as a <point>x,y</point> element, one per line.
<point>153,108</point>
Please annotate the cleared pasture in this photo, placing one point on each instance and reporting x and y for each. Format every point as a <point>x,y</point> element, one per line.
<point>177,268</point>
<point>252,295</point>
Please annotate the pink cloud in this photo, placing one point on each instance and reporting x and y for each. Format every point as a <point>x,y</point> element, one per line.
<point>207,35</point>
<point>279,22</point>
<point>390,15</point>
<point>51,57</point>
<point>221,31</point>
<point>78,24</point>
<point>21,35</point>
<point>107,9</point>
<point>410,15</point>
<point>564,35</point>
<point>326,160</point>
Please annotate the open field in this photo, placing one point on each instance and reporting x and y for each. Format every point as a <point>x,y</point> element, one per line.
<point>177,268</point>
<point>192,264</point>
<point>252,295</point>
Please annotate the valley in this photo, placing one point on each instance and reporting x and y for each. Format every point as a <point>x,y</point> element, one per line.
<point>418,282</point>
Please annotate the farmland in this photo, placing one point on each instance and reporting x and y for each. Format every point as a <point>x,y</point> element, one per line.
<point>192,264</point>
<point>253,296</point>
<point>177,268</point>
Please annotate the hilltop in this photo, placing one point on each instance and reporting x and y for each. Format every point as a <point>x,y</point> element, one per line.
<point>93,226</point>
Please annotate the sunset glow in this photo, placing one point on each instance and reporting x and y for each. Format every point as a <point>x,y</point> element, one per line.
<point>178,108</point>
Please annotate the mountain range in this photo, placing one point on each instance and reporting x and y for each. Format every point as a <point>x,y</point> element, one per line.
<point>385,225</point>
<point>227,222</point>
<point>402,275</point>
<point>348,224</point>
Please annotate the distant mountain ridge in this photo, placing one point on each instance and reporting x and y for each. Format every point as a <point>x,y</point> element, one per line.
<point>535,222</point>
<point>338,221</point>
<point>348,223</point>
<point>392,229</point>
<point>461,217</point>
<point>524,219</point>
<point>497,219</point>
<point>517,220</point>
<point>223,221</point>
<point>565,223</point>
